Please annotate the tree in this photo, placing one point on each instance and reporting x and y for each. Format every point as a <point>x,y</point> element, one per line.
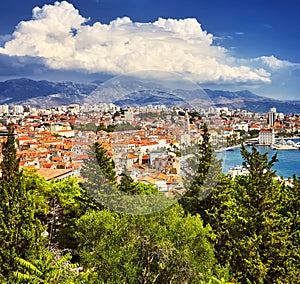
<point>20,229</point>
<point>105,162</point>
<point>68,201</point>
<point>165,247</point>
<point>285,246</point>
<point>203,173</point>
<point>129,186</point>
<point>98,175</point>
<point>254,223</point>
<point>57,205</point>
<point>109,128</point>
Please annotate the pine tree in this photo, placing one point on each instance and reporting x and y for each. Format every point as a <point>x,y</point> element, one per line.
<point>20,231</point>
<point>99,165</point>
<point>255,219</point>
<point>203,176</point>
<point>126,184</point>
<point>98,173</point>
<point>105,162</point>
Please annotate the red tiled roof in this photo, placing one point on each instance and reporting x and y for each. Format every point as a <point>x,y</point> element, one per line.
<point>50,174</point>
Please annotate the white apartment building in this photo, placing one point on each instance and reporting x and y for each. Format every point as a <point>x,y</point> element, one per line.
<point>241,126</point>
<point>4,109</point>
<point>18,109</point>
<point>128,115</point>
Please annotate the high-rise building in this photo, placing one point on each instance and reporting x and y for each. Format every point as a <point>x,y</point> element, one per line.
<point>18,109</point>
<point>272,116</point>
<point>4,109</point>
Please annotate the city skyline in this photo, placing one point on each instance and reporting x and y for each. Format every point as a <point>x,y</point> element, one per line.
<point>221,44</point>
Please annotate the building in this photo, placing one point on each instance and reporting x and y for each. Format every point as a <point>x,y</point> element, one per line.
<point>272,116</point>
<point>62,130</point>
<point>129,115</point>
<point>18,109</point>
<point>266,137</point>
<point>56,174</point>
<point>4,109</point>
<point>243,126</point>
<point>155,156</point>
<point>161,185</point>
<point>238,171</point>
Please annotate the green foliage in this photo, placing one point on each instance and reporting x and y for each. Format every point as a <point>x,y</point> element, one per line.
<point>87,127</point>
<point>20,229</point>
<point>203,176</point>
<point>254,223</point>
<point>99,180</point>
<point>253,133</point>
<point>67,201</point>
<point>259,166</point>
<point>98,174</point>
<point>45,269</point>
<point>125,127</point>
<point>105,163</point>
<point>57,204</point>
<point>39,190</point>
<point>87,277</point>
<point>163,247</point>
<point>69,193</point>
<point>129,186</point>
<point>109,128</point>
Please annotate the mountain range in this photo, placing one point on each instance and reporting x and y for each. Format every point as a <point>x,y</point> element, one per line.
<point>134,93</point>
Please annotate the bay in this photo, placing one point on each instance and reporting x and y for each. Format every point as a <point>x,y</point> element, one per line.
<point>288,164</point>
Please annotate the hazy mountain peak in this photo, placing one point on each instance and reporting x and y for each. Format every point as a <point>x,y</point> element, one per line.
<point>133,92</point>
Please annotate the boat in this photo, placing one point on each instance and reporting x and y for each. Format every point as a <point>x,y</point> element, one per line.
<point>238,170</point>
<point>284,147</point>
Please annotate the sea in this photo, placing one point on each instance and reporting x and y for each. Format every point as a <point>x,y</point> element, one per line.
<point>288,164</point>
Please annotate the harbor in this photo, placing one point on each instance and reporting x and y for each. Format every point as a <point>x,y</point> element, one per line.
<point>286,145</point>
<point>288,164</point>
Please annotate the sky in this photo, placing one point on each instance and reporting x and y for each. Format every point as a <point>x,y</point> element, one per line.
<point>227,45</point>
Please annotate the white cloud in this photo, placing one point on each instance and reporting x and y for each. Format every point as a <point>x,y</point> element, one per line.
<point>61,36</point>
<point>275,63</point>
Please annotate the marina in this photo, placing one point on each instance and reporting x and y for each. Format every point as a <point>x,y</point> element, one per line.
<point>286,145</point>
<point>287,154</point>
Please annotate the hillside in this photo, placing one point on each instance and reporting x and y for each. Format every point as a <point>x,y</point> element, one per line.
<point>135,93</point>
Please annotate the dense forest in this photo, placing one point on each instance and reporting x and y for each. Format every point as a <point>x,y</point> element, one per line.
<point>242,230</point>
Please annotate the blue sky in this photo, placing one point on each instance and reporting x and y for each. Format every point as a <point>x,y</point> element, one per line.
<point>229,44</point>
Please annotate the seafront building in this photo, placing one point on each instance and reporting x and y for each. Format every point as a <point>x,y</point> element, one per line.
<point>266,137</point>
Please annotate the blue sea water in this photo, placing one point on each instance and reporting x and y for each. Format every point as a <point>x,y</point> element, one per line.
<point>288,164</point>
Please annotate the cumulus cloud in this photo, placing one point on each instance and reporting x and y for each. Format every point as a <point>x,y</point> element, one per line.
<point>60,36</point>
<point>275,63</point>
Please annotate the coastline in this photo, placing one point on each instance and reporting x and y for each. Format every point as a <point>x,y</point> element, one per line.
<point>288,164</point>
<point>287,138</point>
<point>228,148</point>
